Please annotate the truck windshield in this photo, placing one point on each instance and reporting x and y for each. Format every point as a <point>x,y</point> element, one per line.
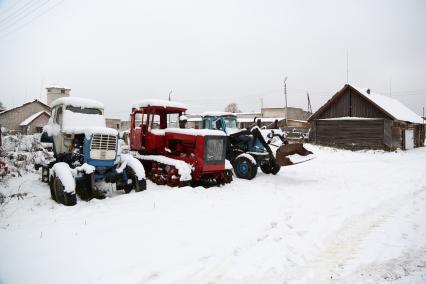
<point>84,110</point>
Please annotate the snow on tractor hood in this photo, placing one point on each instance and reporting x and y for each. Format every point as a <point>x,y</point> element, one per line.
<point>80,123</point>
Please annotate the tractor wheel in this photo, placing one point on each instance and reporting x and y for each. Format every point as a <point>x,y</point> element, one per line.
<point>84,188</point>
<point>266,169</point>
<point>137,185</point>
<point>51,186</point>
<point>68,199</point>
<point>227,178</point>
<point>244,168</point>
<point>275,169</point>
<point>270,168</point>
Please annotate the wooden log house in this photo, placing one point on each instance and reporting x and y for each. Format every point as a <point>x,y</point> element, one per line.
<point>356,118</point>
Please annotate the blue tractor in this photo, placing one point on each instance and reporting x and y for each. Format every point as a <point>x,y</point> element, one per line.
<point>250,148</point>
<point>85,152</point>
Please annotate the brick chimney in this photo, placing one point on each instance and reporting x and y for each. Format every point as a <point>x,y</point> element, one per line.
<point>55,92</point>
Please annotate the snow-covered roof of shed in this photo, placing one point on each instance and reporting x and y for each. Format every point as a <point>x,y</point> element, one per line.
<point>218,113</point>
<point>29,119</point>
<point>160,103</point>
<point>77,102</point>
<point>392,106</point>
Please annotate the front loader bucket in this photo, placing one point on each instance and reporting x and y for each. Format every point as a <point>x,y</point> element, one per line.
<point>286,150</point>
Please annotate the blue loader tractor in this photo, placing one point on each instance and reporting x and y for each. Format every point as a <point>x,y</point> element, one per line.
<point>250,148</point>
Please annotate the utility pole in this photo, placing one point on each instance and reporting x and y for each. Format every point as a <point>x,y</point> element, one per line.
<point>309,104</point>
<point>390,87</point>
<point>170,93</point>
<point>261,104</point>
<point>285,95</point>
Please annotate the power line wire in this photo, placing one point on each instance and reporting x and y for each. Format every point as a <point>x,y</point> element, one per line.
<point>32,20</point>
<point>24,14</point>
<point>12,16</point>
<point>9,8</point>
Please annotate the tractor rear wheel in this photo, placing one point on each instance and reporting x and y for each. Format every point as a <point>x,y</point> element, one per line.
<point>68,199</point>
<point>244,168</point>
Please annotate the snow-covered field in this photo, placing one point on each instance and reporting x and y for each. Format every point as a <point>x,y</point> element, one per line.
<point>344,217</point>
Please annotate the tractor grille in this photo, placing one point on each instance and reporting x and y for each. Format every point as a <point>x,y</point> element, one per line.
<point>103,147</point>
<point>215,150</point>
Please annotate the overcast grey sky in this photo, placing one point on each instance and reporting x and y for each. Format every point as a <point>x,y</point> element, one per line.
<point>211,53</point>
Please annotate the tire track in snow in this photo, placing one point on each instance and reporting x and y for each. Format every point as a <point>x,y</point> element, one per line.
<point>329,264</point>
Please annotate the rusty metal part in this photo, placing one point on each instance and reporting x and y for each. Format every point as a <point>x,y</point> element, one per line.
<point>290,149</point>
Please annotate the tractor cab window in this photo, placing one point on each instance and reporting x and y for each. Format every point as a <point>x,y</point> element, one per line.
<point>155,121</point>
<point>173,120</point>
<point>84,110</point>
<point>138,120</point>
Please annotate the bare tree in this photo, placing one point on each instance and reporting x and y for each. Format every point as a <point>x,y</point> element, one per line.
<point>232,107</point>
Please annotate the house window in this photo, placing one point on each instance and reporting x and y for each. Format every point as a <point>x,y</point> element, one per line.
<point>39,129</point>
<point>62,91</point>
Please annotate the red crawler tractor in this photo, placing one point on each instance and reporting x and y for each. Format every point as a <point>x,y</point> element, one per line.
<point>176,156</point>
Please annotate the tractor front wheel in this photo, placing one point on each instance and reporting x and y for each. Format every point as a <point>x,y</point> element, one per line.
<point>244,168</point>
<point>136,184</point>
<point>59,195</point>
<point>270,168</point>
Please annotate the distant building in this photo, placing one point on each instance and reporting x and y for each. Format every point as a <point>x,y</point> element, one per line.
<point>292,112</point>
<point>35,123</point>
<point>356,118</point>
<point>55,92</point>
<point>125,125</point>
<point>113,123</point>
<point>28,118</point>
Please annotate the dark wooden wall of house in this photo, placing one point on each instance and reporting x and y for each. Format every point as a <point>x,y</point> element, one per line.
<point>419,135</point>
<point>360,107</point>
<point>340,107</point>
<point>353,105</point>
<point>360,133</point>
<point>396,136</point>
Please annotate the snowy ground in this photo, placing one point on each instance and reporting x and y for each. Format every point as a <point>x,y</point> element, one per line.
<point>344,217</point>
